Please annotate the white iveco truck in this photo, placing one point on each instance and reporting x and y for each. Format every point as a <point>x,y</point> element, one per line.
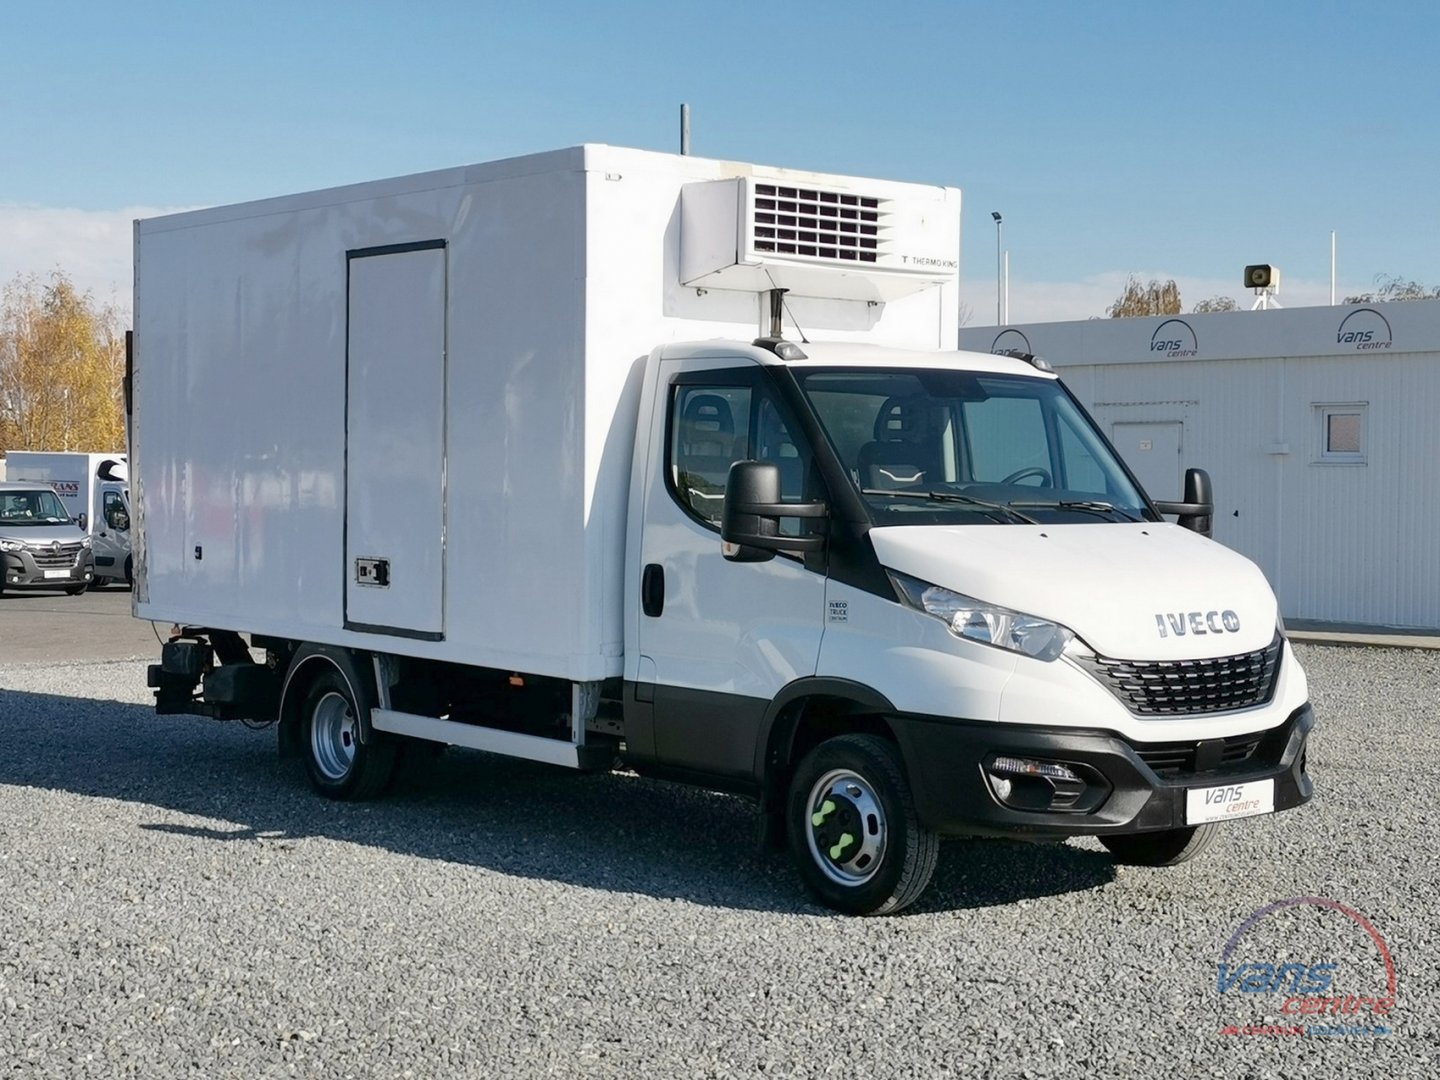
<point>604,456</point>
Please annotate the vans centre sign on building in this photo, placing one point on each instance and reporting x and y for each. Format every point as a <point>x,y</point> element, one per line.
<point>1320,428</point>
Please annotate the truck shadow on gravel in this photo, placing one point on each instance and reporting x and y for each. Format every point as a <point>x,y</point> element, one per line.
<point>616,832</point>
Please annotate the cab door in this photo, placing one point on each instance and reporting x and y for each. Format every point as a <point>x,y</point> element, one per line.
<point>718,639</point>
<point>110,536</point>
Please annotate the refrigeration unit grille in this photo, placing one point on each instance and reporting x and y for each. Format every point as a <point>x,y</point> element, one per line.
<point>818,224</point>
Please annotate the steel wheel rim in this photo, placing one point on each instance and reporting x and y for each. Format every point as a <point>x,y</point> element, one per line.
<point>333,736</point>
<point>844,805</point>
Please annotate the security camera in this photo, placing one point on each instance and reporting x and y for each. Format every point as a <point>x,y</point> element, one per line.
<point>1262,276</point>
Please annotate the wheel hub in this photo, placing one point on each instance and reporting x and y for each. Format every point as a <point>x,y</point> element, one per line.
<point>846,827</point>
<point>333,736</point>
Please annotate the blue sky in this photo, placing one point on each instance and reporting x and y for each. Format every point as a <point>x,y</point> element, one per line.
<point>1174,139</point>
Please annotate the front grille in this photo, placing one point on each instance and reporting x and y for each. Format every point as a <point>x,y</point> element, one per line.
<point>1187,687</point>
<point>1185,758</point>
<point>820,224</point>
<point>47,558</point>
<point>1217,758</point>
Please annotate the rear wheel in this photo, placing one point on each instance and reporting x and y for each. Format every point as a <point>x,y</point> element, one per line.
<point>853,830</point>
<point>340,764</point>
<point>1169,847</point>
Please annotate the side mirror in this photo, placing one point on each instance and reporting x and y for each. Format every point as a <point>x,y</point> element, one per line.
<point>83,520</point>
<point>1197,512</point>
<point>750,520</point>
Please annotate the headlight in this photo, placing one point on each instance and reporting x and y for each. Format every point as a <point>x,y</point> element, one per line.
<point>11,545</point>
<point>85,541</point>
<point>986,623</point>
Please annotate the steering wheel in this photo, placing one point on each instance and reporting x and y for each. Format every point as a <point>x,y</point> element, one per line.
<point>1034,470</point>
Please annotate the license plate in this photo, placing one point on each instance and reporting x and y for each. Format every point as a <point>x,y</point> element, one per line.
<point>56,574</point>
<point>1229,801</point>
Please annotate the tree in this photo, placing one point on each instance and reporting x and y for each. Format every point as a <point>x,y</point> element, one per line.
<point>1394,287</point>
<point>1156,298</point>
<point>62,359</point>
<point>1215,303</point>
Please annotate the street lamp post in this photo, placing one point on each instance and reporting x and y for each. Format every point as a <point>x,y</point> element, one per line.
<point>999,268</point>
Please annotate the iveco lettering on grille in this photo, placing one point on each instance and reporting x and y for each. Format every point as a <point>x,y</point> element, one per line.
<point>1197,622</point>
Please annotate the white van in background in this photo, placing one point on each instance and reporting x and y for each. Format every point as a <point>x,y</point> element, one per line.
<point>95,491</point>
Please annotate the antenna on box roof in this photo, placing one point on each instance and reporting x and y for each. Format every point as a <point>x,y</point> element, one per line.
<point>778,309</point>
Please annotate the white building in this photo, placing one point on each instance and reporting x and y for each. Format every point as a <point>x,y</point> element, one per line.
<point>1320,428</point>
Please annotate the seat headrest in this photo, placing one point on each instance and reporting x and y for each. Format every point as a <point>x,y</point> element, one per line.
<point>708,414</point>
<point>903,419</point>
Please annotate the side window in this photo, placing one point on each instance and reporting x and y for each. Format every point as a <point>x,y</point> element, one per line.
<point>1006,435</point>
<point>115,513</point>
<point>709,431</point>
<point>712,427</point>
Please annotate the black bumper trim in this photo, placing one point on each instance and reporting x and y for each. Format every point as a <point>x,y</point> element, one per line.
<point>945,759</point>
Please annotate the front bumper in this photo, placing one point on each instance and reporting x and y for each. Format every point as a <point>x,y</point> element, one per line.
<point>19,570</point>
<point>1129,786</point>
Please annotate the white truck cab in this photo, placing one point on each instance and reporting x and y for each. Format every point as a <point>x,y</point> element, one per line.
<point>939,551</point>
<point>466,476</point>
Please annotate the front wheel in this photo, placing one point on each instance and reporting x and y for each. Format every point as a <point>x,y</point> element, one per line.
<point>76,590</point>
<point>853,830</point>
<point>339,764</point>
<point>1168,847</point>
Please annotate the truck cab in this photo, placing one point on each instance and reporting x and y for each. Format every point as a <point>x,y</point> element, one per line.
<point>110,534</point>
<point>859,564</point>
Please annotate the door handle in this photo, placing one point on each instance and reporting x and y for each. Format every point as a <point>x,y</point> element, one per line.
<point>652,590</point>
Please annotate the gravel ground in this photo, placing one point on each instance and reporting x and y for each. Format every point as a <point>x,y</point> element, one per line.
<point>175,902</point>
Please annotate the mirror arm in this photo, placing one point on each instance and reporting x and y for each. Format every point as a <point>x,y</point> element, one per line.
<point>1185,509</point>
<point>795,510</point>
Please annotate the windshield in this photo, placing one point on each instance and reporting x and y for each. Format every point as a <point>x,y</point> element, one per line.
<point>953,447</point>
<point>38,507</point>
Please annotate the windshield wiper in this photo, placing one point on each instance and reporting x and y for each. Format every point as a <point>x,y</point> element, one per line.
<point>993,508</point>
<point>1094,506</point>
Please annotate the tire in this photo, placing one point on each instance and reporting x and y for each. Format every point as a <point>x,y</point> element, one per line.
<point>76,590</point>
<point>130,570</point>
<point>1169,847</point>
<point>97,583</point>
<point>849,785</point>
<point>339,764</point>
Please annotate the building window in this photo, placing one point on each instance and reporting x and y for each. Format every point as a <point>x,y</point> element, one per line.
<point>1341,434</point>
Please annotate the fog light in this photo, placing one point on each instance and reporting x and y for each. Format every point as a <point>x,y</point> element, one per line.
<point>1040,786</point>
<point>1013,766</point>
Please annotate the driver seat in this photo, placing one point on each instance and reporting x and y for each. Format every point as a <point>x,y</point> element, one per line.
<point>905,452</point>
